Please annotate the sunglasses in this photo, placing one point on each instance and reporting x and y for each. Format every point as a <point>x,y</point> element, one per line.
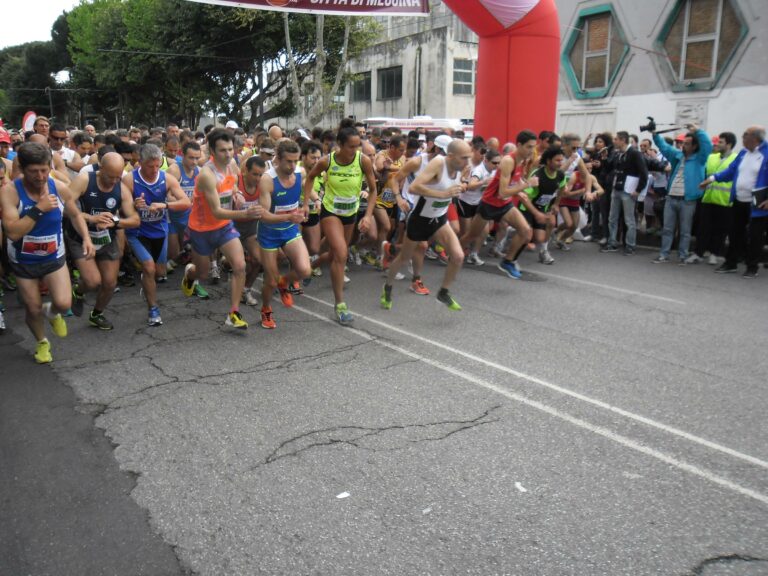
<point>58,138</point>
<point>496,162</point>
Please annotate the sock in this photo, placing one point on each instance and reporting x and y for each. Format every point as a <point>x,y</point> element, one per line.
<point>388,290</point>
<point>541,246</point>
<point>442,293</point>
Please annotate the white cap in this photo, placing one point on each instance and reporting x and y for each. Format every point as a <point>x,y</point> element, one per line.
<point>443,141</point>
<point>303,133</point>
<point>231,124</point>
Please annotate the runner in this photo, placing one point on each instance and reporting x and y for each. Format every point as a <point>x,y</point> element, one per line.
<point>151,189</point>
<point>436,186</point>
<point>311,153</point>
<point>579,184</point>
<point>185,171</point>
<point>386,165</point>
<point>32,210</point>
<point>345,169</point>
<point>103,200</point>
<point>210,224</point>
<point>469,200</point>
<point>500,199</point>
<point>541,201</point>
<point>280,195</point>
<point>248,196</point>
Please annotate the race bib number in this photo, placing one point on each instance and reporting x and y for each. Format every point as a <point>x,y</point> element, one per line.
<point>388,195</point>
<point>344,205</point>
<point>436,208</point>
<point>147,215</point>
<point>225,200</point>
<point>40,245</point>
<point>287,208</point>
<point>251,204</point>
<point>544,200</point>
<point>99,238</point>
<point>189,191</point>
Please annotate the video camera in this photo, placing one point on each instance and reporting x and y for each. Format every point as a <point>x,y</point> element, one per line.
<point>650,127</point>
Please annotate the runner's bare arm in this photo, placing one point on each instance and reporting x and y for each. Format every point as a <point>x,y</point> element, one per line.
<point>370,178</point>
<point>129,217</point>
<point>309,184</point>
<point>76,164</point>
<point>179,200</point>
<point>72,210</point>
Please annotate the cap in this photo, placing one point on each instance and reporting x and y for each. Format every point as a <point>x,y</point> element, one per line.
<point>231,124</point>
<point>680,137</point>
<point>715,140</point>
<point>5,138</point>
<point>443,141</point>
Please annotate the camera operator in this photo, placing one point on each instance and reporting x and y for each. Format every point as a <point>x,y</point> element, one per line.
<point>630,178</point>
<point>687,171</point>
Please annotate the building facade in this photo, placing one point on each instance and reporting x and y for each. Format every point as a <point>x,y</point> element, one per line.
<point>680,61</point>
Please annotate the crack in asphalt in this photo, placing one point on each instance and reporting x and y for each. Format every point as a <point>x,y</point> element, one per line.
<point>332,436</point>
<point>724,560</point>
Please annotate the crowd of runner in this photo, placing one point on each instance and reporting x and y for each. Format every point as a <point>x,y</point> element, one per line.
<point>84,213</point>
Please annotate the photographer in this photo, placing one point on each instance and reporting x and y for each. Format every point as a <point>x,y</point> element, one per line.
<point>630,178</point>
<point>687,170</point>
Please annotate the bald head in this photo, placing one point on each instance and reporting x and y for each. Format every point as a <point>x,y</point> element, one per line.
<point>38,139</point>
<point>459,154</point>
<point>275,133</point>
<point>112,161</point>
<point>493,143</point>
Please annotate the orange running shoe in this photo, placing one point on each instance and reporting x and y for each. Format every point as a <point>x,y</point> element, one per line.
<point>267,321</point>
<point>417,286</point>
<point>285,295</point>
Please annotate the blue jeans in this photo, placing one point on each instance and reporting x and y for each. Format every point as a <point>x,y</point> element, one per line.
<point>621,201</point>
<point>677,211</point>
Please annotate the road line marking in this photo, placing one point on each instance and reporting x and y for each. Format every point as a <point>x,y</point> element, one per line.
<point>608,287</point>
<point>587,399</point>
<point>599,430</point>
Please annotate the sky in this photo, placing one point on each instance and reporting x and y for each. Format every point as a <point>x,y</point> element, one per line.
<point>29,20</point>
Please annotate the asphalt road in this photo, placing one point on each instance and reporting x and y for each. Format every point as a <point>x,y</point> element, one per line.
<point>604,416</point>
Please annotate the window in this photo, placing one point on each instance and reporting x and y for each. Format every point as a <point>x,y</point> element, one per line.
<point>390,83</point>
<point>701,37</point>
<point>595,54</point>
<point>360,90</point>
<point>463,76</point>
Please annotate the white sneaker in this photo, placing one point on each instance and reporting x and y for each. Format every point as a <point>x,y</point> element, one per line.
<point>399,276</point>
<point>713,260</point>
<point>474,259</point>
<point>692,259</point>
<point>249,297</point>
<point>317,272</point>
<point>346,279</point>
<point>215,273</point>
<point>545,257</point>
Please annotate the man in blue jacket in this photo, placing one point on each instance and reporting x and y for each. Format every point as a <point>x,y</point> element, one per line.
<point>688,168</point>
<point>749,174</point>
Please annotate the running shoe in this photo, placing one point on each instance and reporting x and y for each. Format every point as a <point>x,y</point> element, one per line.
<point>9,282</point>
<point>285,295</point>
<point>77,303</point>
<point>249,297</point>
<point>154,317</point>
<point>235,320</point>
<point>609,248</point>
<point>726,268</point>
<point>170,266</point>
<point>750,274</point>
<point>43,352</point>
<point>417,287</point>
<point>317,272</point>
<point>201,292</point>
<point>693,259</point>
<point>445,297</point>
<point>161,279</point>
<point>712,261</point>
<point>343,315</point>
<point>267,321</point>
<point>386,297</point>
<point>442,257</point>
<point>187,287</point>
<point>214,272</point>
<point>355,253</point>
<point>511,269</point>
<point>562,245</point>
<point>629,251</point>
<point>474,260</point>
<point>296,289</point>
<point>2,322</point>
<point>431,254</point>
<point>57,322</point>
<point>386,254</point>
<point>370,259</point>
<point>660,260</point>
<point>347,279</point>
<point>545,257</point>
<point>99,321</point>
<point>399,276</point>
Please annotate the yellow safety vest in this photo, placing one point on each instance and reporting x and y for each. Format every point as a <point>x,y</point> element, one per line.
<point>718,192</point>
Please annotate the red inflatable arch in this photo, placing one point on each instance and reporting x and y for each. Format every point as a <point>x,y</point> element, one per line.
<point>518,64</point>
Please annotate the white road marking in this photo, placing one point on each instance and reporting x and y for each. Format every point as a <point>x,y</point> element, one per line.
<point>587,399</point>
<point>342,495</point>
<point>609,287</point>
<point>599,430</point>
<point>520,487</point>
